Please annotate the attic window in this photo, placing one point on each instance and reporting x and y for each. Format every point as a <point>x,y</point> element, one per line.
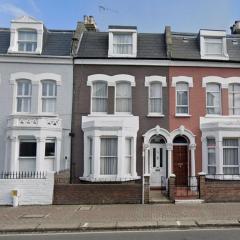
<point>213,45</point>
<point>122,41</point>
<point>27,40</point>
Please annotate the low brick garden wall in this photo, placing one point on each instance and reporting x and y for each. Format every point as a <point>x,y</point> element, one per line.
<point>222,190</point>
<point>97,193</point>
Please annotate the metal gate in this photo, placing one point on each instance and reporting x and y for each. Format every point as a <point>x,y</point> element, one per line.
<point>190,190</point>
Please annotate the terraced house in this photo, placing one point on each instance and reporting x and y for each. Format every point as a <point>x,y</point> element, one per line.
<point>36,97</point>
<point>150,105</point>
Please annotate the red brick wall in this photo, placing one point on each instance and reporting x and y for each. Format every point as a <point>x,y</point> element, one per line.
<point>222,191</point>
<point>197,101</point>
<point>98,193</point>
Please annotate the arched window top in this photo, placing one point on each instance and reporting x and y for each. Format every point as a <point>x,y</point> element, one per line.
<point>49,88</point>
<point>213,87</point>
<point>182,79</point>
<point>159,139</point>
<point>182,86</point>
<point>157,79</point>
<point>180,139</point>
<point>24,87</point>
<point>234,87</point>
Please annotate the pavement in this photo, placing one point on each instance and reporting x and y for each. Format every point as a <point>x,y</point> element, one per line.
<point>118,217</point>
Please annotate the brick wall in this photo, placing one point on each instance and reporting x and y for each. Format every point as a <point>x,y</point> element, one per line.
<point>222,191</point>
<point>98,193</point>
<point>31,191</point>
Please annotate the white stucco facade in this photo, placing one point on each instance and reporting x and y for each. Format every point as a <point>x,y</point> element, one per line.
<point>35,125</point>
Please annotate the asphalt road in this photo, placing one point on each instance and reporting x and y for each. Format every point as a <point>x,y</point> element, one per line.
<point>215,234</point>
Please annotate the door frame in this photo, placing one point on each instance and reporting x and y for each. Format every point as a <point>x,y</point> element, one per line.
<point>164,163</point>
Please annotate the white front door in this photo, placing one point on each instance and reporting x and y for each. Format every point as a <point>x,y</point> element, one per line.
<point>157,165</point>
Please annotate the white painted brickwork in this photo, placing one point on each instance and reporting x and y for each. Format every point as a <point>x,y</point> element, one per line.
<point>31,191</point>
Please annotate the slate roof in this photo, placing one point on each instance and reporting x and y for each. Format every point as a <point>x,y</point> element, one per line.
<point>185,46</point>
<point>56,42</point>
<point>149,46</point>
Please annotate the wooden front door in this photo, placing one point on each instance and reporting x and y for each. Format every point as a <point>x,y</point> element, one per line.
<point>180,164</point>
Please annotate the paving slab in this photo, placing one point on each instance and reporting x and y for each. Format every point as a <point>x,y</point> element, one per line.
<point>187,223</point>
<point>167,224</point>
<point>18,227</point>
<point>58,226</point>
<point>100,225</point>
<point>217,223</point>
<point>137,224</point>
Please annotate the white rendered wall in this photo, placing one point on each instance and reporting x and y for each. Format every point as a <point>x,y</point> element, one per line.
<point>63,106</point>
<point>31,191</point>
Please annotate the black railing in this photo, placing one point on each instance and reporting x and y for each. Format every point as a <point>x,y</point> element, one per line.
<point>23,175</point>
<point>188,187</point>
<point>223,176</point>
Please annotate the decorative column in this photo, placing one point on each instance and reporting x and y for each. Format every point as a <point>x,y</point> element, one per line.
<point>146,160</point>
<point>86,155</point>
<point>192,148</point>
<point>58,154</point>
<point>96,156</point>
<point>14,162</point>
<point>133,164</point>
<point>40,154</point>
<point>121,155</point>
<point>219,155</point>
<point>204,155</point>
<point>169,147</point>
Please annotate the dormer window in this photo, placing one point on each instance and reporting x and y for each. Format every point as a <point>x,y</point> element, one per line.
<point>27,40</point>
<point>122,41</point>
<point>26,36</point>
<point>213,45</point>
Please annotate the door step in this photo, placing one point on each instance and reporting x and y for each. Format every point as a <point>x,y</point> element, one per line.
<point>189,201</point>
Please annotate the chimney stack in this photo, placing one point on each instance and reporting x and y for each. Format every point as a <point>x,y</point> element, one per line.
<point>235,29</point>
<point>90,23</point>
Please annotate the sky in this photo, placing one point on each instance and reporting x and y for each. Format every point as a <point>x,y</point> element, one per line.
<point>147,15</point>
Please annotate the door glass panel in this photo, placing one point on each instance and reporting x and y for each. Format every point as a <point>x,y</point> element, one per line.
<point>161,157</point>
<point>154,157</point>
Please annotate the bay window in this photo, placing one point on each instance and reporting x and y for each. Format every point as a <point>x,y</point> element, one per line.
<point>230,156</point>
<point>182,98</point>
<point>49,96</point>
<point>211,153</point>
<point>234,99</point>
<point>213,93</point>
<point>123,97</point>
<point>24,95</point>
<point>27,40</point>
<point>99,96</point>
<point>108,155</point>
<point>155,98</point>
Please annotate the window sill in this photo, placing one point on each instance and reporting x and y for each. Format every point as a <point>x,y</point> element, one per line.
<point>155,115</point>
<point>28,114</point>
<point>182,115</point>
<point>213,115</point>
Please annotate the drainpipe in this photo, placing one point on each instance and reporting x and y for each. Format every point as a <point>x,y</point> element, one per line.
<point>143,158</point>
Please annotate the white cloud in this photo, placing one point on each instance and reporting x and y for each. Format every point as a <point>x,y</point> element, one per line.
<point>34,6</point>
<point>12,10</point>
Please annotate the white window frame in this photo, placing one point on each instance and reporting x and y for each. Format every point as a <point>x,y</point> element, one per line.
<point>149,99</point>
<point>27,41</point>
<point>116,157</point>
<point>50,140</point>
<point>29,97</point>
<point>231,147</point>
<point>98,113</point>
<point>115,99</point>
<point>176,104</point>
<point>220,99</point>
<point>129,157</point>
<point>211,147</point>
<point>54,97</point>
<point>163,82</point>
<point>232,107</point>
<point>122,31</point>
<point>206,34</point>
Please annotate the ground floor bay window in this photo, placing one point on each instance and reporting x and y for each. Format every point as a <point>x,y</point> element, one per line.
<point>109,148</point>
<point>221,147</point>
